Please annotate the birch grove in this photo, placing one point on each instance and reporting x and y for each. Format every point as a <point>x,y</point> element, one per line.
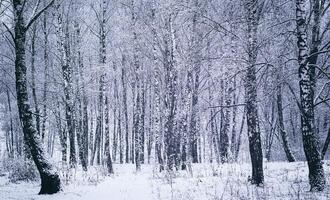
<point>168,83</point>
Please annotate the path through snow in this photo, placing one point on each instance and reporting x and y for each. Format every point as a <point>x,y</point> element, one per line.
<point>124,187</point>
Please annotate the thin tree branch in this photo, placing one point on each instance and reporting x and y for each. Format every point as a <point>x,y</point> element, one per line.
<point>11,33</point>
<point>36,16</point>
<point>227,106</point>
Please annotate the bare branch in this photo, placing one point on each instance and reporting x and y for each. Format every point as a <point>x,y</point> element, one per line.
<point>318,96</point>
<point>228,106</point>
<point>323,101</point>
<point>34,10</point>
<point>36,16</point>
<point>11,33</point>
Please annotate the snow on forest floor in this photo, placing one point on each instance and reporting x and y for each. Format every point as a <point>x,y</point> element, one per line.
<point>207,182</point>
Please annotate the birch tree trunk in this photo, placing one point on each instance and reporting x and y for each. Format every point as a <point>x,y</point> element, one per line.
<point>107,138</point>
<point>50,181</point>
<point>283,133</point>
<point>100,104</point>
<point>82,134</point>
<point>157,96</point>
<point>233,140</point>
<point>33,81</point>
<point>68,90</point>
<point>138,97</point>
<point>115,131</point>
<point>224,142</point>
<point>170,92</point>
<point>253,14</point>
<point>124,89</point>
<point>46,75</point>
<point>10,131</point>
<point>307,87</point>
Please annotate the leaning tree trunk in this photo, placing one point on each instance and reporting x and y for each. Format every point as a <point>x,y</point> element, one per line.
<point>307,87</point>
<point>326,144</point>
<point>233,144</point>
<point>239,139</point>
<point>50,181</point>
<point>10,134</point>
<point>284,135</point>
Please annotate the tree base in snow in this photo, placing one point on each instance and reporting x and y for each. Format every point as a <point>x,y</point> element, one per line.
<point>317,179</point>
<point>50,184</point>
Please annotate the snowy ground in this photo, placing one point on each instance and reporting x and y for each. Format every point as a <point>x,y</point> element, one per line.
<point>282,181</point>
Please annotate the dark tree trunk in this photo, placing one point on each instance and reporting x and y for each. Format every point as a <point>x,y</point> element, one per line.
<point>196,67</point>
<point>233,144</point>
<point>157,98</point>
<point>326,144</point>
<point>270,129</point>
<point>107,138</point>
<point>82,133</point>
<point>142,124</point>
<point>99,122</point>
<point>151,136</point>
<point>224,145</point>
<point>307,87</point>
<point>10,130</point>
<point>62,134</point>
<point>284,135</point>
<point>170,95</point>
<point>91,136</point>
<point>138,95</point>
<point>253,14</point>
<point>85,132</point>
<point>115,132</point>
<point>239,139</point>
<point>136,127</point>
<point>120,138</point>
<point>33,81</point>
<point>100,104</point>
<point>68,90</point>
<point>253,127</point>
<point>50,181</point>
<point>124,86</point>
<point>46,76</point>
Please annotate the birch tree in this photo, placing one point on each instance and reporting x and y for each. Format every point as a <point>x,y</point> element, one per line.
<point>253,10</point>
<point>50,181</point>
<point>307,60</point>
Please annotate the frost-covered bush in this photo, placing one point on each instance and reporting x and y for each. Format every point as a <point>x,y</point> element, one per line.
<point>20,169</point>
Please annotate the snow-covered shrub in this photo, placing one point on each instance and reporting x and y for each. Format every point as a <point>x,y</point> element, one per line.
<point>20,169</point>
